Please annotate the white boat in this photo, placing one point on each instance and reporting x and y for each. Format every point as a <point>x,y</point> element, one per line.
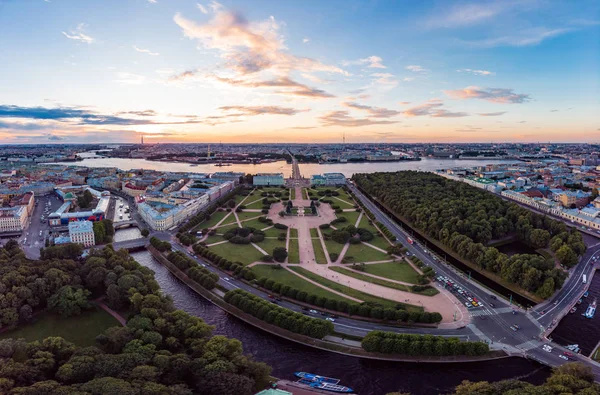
<point>591,310</point>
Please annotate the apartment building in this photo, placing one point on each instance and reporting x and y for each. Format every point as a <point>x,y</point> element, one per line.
<point>82,232</point>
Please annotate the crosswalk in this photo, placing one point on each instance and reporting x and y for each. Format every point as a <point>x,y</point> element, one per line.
<point>531,344</point>
<point>480,312</point>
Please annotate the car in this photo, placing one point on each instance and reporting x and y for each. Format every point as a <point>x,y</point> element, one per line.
<point>469,299</point>
<point>492,305</point>
<point>493,297</point>
<point>226,278</point>
<point>203,264</point>
<point>407,253</point>
<point>568,354</point>
<point>275,302</point>
<point>270,296</point>
<point>330,319</point>
<point>547,348</point>
<point>313,311</point>
<point>304,308</point>
<point>468,305</point>
<point>474,304</point>
<point>278,299</point>
<point>564,357</point>
<point>425,251</point>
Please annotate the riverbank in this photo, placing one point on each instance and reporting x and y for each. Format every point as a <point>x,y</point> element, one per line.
<point>332,344</point>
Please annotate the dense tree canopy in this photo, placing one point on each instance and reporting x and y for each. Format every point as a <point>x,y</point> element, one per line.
<point>466,219</point>
<point>161,350</point>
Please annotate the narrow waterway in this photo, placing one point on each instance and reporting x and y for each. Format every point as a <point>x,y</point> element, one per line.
<point>365,376</point>
<point>576,329</point>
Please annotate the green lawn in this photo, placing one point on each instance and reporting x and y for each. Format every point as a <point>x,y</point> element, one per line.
<point>399,271</point>
<point>294,253</point>
<point>305,194</point>
<point>252,203</point>
<point>244,253</point>
<point>319,253</point>
<point>269,244</point>
<point>293,232</point>
<point>215,218</point>
<point>378,241</point>
<point>353,292</point>
<point>314,232</point>
<point>256,224</point>
<point>285,277</point>
<point>214,239</point>
<point>292,193</point>
<point>223,229</point>
<point>333,246</point>
<point>370,279</point>
<point>351,216</point>
<point>248,214</point>
<point>363,253</point>
<point>273,232</point>
<point>344,203</point>
<point>81,330</point>
<point>239,198</point>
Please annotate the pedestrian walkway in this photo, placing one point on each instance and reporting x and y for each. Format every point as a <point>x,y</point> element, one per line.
<point>480,312</point>
<point>531,344</point>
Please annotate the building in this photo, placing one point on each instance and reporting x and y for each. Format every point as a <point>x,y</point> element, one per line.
<point>572,199</point>
<point>227,176</point>
<point>268,179</point>
<point>82,232</point>
<point>13,219</point>
<point>162,216</point>
<point>63,216</point>
<point>133,190</point>
<point>328,179</point>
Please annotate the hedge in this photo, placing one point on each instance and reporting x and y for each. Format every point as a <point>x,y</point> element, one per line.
<point>278,316</point>
<point>409,344</point>
<point>160,245</point>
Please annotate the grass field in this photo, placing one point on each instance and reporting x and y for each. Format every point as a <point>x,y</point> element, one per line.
<point>304,194</point>
<point>256,224</point>
<point>254,203</point>
<point>269,244</point>
<point>81,330</point>
<point>378,241</point>
<point>399,271</point>
<point>239,198</point>
<point>344,203</point>
<point>285,277</point>
<point>225,228</point>
<point>273,232</point>
<point>370,279</point>
<point>314,232</point>
<point>319,253</point>
<point>351,216</point>
<point>215,218</point>
<point>363,253</point>
<point>353,292</point>
<point>292,193</point>
<point>294,253</point>
<point>244,215</point>
<point>244,253</point>
<point>333,246</point>
<point>214,239</point>
<point>293,232</point>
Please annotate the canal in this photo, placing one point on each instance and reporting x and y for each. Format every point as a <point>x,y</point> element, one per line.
<point>365,376</point>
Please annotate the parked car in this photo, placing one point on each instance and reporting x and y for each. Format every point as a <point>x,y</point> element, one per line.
<point>564,357</point>
<point>568,354</point>
<point>313,311</point>
<point>330,319</point>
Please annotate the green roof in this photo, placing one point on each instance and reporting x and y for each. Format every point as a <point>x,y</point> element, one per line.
<point>273,391</point>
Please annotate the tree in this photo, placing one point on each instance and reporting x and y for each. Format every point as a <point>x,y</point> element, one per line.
<point>69,301</point>
<point>566,256</point>
<point>145,232</point>
<point>280,254</point>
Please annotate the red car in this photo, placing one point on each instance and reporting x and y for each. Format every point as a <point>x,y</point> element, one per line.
<point>568,354</point>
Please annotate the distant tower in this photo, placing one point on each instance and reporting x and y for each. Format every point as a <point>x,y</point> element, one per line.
<point>142,139</point>
<point>208,154</point>
<point>344,140</point>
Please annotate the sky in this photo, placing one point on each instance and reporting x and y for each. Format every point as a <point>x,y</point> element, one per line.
<point>110,71</point>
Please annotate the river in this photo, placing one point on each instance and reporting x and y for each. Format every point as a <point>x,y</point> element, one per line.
<point>307,169</point>
<point>365,376</point>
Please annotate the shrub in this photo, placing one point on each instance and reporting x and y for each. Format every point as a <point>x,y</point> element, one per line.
<point>280,226</point>
<point>267,258</point>
<point>333,256</point>
<point>279,254</point>
<point>324,226</point>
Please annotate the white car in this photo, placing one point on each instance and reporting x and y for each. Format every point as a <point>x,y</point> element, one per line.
<point>547,348</point>
<point>564,357</point>
<point>313,311</point>
<point>330,319</point>
<point>226,278</point>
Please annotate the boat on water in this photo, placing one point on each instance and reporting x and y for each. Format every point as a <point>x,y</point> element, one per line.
<point>580,301</point>
<point>586,294</point>
<point>573,310</point>
<point>591,310</point>
<point>573,347</point>
<point>316,378</point>
<point>323,383</point>
<point>222,164</point>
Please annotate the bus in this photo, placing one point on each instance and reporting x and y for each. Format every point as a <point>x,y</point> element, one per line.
<point>584,279</point>
<point>410,241</point>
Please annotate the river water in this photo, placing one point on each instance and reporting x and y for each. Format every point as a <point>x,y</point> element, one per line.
<point>576,329</point>
<point>365,376</point>
<point>308,169</point>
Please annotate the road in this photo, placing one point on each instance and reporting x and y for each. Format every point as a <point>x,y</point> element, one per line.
<point>528,340</point>
<point>30,240</point>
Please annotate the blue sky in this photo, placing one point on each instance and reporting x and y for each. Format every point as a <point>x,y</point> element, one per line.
<point>273,71</point>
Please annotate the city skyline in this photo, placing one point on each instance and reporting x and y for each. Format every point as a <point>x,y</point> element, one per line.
<point>194,71</point>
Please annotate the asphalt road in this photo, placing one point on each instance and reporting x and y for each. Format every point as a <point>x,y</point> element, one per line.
<point>30,240</point>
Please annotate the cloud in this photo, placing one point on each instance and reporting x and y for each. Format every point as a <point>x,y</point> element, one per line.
<point>495,95</point>
<point>53,137</point>
<point>375,112</point>
<point>416,68</point>
<point>372,61</point>
<point>527,37</point>
<point>153,1</point>
<point>202,8</point>
<point>476,72</point>
<point>492,114</point>
<point>432,108</point>
<point>283,85</point>
<point>143,113</point>
<point>341,118</point>
<point>79,35</point>
<point>554,110</point>
<point>385,79</point>
<point>469,14</point>
<point>305,40</point>
<point>262,110</point>
<point>146,51</point>
<point>78,116</point>
<point>249,48</point>
<point>130,78</point>
<point>404,102</point>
